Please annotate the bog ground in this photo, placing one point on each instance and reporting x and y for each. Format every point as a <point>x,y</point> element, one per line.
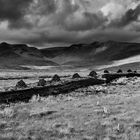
<point>106,112</point>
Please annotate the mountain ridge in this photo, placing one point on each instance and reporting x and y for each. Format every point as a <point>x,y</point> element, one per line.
<point>16,55</point>
<point>94,54</point>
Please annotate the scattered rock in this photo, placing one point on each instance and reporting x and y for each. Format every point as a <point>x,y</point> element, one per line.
<point>21,84</point>
<point>42,82</point>
<point>75,76</point>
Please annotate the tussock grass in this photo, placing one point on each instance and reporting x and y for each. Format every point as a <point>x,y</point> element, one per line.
<point>107,112</point>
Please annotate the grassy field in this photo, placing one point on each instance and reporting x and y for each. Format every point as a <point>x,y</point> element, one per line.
<point>9,78</point>
<point>103,112</point>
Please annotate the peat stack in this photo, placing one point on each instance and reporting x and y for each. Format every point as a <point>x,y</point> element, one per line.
<point>56,78</point>
<point>106,71</point>
<point>135,71</point>
<point>129,71</point>
<point>21,84</point>
<point>93,74</point>
<point>119,71</point>
<point>25,95</point>
<point>76,76</point>
<point>42,82</point>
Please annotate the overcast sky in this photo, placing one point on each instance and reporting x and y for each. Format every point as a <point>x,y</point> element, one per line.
<point>45,23</point>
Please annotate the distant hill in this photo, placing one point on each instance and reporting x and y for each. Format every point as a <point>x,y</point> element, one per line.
<point>16,55</point>
<point>92,55</point>
<point>97,55</point>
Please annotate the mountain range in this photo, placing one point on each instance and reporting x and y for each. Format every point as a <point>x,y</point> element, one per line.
<point>14,56</point>
<point>94,55</point>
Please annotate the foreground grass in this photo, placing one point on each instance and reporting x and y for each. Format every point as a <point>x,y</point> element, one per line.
<point>93,113</point>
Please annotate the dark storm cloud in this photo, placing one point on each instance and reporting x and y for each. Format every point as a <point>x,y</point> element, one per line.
<point>114,34</point>
<point>130,16</point>
<point>86,22</point>
<point>42,38</point>
<point>14,11</point>
<point>68,21</point>
<point>43,7</point>
<point>72,17</point>
<point>48,6</point>
<point>64,11</point>
<point>68,7</point>
<point>38,38</point>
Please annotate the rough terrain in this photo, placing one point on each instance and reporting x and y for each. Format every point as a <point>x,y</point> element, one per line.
<point>106,112</point>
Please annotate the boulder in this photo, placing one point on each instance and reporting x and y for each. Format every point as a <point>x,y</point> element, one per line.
<point>75,76</point>
<point>21,84</point>
<point>42,82</point>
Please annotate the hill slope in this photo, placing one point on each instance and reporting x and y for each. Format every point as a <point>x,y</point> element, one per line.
<point>16,55</point>
<point>94,54</point>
